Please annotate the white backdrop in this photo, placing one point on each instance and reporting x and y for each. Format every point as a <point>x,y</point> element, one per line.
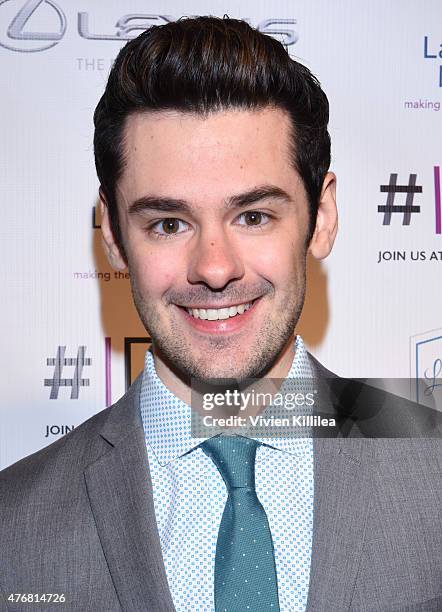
<point>380,65</point>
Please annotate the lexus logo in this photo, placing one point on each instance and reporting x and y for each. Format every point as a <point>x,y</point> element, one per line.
<point>32,40</point>
<point>38,25</point>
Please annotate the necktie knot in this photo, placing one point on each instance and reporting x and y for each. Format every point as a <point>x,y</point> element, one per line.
<point>234,456</point>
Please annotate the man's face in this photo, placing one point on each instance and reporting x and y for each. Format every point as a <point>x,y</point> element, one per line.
<point>214,222</point>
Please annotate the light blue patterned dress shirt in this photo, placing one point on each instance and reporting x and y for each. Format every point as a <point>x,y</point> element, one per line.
<point>190,495</point>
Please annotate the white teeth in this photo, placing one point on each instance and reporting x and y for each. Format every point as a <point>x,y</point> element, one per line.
<point>214,314</point>
<point>223,313</point>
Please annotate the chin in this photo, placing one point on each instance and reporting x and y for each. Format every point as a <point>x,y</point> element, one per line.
<point>239,372</point>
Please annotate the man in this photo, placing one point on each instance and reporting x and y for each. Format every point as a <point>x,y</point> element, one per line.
<point>212,151</point>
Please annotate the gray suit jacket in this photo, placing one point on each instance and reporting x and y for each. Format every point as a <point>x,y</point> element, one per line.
<point>77,518</point>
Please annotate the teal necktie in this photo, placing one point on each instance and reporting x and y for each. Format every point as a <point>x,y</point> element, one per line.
<point>245,572</point>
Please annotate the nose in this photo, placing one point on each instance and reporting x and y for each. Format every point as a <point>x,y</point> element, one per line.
<point>215,261</point>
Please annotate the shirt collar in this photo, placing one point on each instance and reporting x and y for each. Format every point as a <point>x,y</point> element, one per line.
<point>167,419</point>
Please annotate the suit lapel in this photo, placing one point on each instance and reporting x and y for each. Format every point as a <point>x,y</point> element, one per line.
<point>342,492</point>
<point>341,500</point>
<point>120,493</point>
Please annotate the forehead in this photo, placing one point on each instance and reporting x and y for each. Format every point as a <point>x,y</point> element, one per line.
<point>169,152</point>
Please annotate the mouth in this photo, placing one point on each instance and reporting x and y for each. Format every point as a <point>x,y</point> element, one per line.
<point>219,320</point>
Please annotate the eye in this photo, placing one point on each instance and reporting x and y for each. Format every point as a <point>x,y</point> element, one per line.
<point>254,218</point>
<point>169,227</point>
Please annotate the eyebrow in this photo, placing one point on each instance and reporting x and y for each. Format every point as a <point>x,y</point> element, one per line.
<point>173,205</point>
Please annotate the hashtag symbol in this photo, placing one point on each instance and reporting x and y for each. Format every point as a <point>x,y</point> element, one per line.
<point>391,189</point>
<point>59,362</point>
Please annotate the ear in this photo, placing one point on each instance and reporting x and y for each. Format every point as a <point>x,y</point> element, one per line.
<point>326,220</point>
<point>111,248</point>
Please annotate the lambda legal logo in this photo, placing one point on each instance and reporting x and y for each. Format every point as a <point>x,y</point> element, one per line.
<point>76,381</point>
<point>406,209</point>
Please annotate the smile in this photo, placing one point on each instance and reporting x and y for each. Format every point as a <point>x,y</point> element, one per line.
<point>226,320</point>
<point>215,314</point>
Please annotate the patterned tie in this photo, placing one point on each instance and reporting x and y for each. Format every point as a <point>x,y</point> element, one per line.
<point>245,572</point>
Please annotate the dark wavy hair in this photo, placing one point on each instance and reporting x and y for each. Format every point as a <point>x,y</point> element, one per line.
<point>208,64</point>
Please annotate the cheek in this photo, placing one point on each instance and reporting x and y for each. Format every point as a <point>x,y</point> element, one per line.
<point>276,260</point>
<point>153,272</point>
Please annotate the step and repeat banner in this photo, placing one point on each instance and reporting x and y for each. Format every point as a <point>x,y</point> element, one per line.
<point>71,339</point>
